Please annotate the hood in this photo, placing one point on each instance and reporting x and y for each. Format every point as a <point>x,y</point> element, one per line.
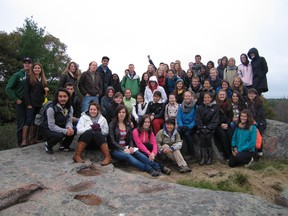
<point>109,88</point>
<point>253,50</point>
<point>153,79</point>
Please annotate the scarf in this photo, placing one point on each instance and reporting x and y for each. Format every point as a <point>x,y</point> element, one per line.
<point>186,108</point>
<point>231,68</point>
<point>95,119</point>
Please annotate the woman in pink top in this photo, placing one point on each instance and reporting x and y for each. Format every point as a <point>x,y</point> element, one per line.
<point>145,140</point>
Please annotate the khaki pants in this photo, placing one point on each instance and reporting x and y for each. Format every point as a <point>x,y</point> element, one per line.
<point>175,156</point>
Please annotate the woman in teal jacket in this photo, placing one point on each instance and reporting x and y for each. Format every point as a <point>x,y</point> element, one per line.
<point>243,141</point>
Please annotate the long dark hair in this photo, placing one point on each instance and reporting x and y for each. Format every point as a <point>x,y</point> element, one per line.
<point>118,109</point>
<point>55,100</point>
<point>226,103</point>
<point>141,123</point>
<point>250,121</point>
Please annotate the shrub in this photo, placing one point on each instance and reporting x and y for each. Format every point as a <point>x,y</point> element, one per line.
<point>8,136</point>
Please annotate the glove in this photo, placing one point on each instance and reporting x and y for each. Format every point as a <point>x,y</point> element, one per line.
<point>96,127</point>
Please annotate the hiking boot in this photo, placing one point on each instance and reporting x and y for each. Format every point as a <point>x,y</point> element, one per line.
<point>250,163</point>
<point>203,156</point>
<point>154,173</point>
<point>166,171</point>
<point>48,149</point>
<point>184,169</point>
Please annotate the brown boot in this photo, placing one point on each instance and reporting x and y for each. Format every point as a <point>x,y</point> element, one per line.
<point>80,148</point>
<point>32,135</point>
<point>25,131</point>
<point>106,153</point>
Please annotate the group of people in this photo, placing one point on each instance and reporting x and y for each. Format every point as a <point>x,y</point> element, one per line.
<point>144,122</point>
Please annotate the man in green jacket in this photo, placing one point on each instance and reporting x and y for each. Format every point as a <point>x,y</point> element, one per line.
<point>131,81</point>
<point>15,90</point>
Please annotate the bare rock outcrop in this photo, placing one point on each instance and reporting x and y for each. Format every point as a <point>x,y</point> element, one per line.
<point>35,183</point>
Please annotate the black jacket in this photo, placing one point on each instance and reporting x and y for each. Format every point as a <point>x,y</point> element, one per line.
<point>157,108</point>
<point>207,117</point>
<point>225,114</point>
<point>114,136</point>
<point>106,78</point>
<point>260,69</point>
<point>34,95</point>
<point>65,78</point>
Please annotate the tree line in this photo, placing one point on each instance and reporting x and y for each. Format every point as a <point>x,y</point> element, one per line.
<point>33,41</point>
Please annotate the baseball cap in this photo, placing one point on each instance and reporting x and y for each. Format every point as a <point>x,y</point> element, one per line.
<point>27,59</point>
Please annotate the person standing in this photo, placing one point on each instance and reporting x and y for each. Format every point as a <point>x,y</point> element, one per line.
<point>260,69</point>
<point>105,73</point>
<point>131,81</point>
<point>197,65</point>
<point>71,74</point>
<point>245,71</point>
<point>90,86</point>
<point>35,90</point>
<point>15,90</point>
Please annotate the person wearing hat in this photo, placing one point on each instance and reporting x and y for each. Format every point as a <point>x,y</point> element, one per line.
<point>15,90</point>
<point>169,143</point>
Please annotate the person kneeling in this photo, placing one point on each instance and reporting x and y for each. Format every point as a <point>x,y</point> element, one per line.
<point>169,143</point>
<point>93,129</point>
<point>243,141</point>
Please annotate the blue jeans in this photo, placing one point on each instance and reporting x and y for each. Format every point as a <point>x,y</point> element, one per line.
<point>137,159</point>
<point>87,100</point>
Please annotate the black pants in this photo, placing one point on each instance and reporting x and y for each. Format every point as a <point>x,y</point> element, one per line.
<point>205,140</point>
<point>20,120</point>
<point>53,138</point>
<point>93,138</point>
<point>223,141</point>
<point>240,159</point>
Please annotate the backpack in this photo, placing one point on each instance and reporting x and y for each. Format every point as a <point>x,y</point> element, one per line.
<point>39,118</point>
<point>259,139</point>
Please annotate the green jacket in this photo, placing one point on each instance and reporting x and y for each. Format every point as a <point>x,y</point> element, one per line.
<point>131,83</point>
<point>15,86</point>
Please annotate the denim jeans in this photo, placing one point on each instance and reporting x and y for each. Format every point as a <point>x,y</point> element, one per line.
<point>137,159</point>
<point>87,100</point>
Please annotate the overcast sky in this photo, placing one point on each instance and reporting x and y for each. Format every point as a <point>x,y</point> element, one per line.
<point>127,31</point>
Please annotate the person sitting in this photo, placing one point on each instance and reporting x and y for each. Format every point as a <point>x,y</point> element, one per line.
<point>186,121</point>
<point>57,124</point>
<point>93,129</point>
<point>122,146</point>
<point>156,110</point>
<point>169,144</point>
<point>243,141</point>
<point>144,139</point>
<point>207,118</point>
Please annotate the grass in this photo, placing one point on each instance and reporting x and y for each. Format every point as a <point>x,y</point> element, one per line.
<point>269,164</point>
<point>236,182</point>
<point>8,136</point>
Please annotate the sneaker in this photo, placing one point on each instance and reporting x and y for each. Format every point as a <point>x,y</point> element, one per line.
<point>250,162</point>
<point>68,149</point>
<point>260,153</point>
<point>154,173</point>
<point>48,148</point>
<point>166,171</point>
<point>61,147</point>
<point>184,169</point>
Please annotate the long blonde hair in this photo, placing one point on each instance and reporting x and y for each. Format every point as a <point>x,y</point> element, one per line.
<point>77,72</point>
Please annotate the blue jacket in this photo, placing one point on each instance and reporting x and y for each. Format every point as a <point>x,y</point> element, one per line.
<point>245,139</point>
<point>186,119</point>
